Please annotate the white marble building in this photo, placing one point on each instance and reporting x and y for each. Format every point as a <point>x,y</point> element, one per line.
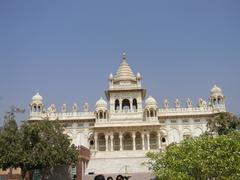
<point>126,125</point>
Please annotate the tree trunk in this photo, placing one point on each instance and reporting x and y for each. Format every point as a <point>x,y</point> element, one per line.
<point>23,173</point>
<point>45,173</point>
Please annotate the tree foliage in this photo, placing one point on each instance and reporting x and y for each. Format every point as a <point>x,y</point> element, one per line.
<point>36,145</point>
<point>223,123</point>
<point>10,150</point>
<point>206,157</point>
<point>45,146</point>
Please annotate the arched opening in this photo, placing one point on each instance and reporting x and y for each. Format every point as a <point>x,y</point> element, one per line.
<point>100,115</point>
<point>39,108</point>
<point>186,133</point>
<point>153,140</point>
<point>91,141</point>
<point>101,142</point>
<point>219,100</point>
<point>105,115</point>
<point>117,105</point>
<point>116,142</point>
<point>138,141</point>
<point>35,108</point>
<point>135,106</point>
<point>125,104</point>
<point>186,136</point>
<point>214,101</point>
<point>147,113</point>
<point>127,141</point>
<point>163,140</point>
<point>152,113</point>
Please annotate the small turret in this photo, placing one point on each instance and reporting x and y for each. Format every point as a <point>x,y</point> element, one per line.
<point>151,107</point>
<point>217,97</point>
<point>37,103</point>
<point>101,109</point>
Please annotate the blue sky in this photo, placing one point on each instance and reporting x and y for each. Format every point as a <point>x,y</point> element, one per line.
<point>66,49</point>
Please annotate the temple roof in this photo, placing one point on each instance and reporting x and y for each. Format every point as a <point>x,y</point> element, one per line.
<point>124,72</point>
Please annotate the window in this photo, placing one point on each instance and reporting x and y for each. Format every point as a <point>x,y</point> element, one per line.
<point>117,105</point>
<point>173,121</point>
<point>91,124</point>
<point>185,121</point>
<point>125,104</point>
<point>186,136</point>
<point>138,140</point>
<point>100,115</point>
<point>127,142</point>
<point>135,104</point>
<point>80,124</point>
<point>101,142</point>
<point>163,140</point>
<point>91,143</point>
<point>152,113</point>
<point>116,142</point>
<point>197,120</point>
<point>153,140</point>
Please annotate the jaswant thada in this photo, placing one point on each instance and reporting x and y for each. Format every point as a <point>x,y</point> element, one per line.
<point>126,124</point>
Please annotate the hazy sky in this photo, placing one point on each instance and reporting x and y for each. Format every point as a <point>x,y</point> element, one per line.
<point>66,49</point>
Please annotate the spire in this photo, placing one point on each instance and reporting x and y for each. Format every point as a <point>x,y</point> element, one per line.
<point>124,71</point>
<point>124,58</point>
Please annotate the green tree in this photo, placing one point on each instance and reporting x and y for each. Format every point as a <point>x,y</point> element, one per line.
<point>38,145</point>
<point>10,150</point>
<point>44,146</point>
<point>206,157</point>
<point>223,123</point>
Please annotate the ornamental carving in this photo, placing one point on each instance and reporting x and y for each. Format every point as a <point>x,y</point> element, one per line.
<point>64,108</point>
<point>189,103</point>
<point>177,103</point>
<point>52,109</point>
<point>75,107</point>
<point>86,107</point>
<point>166,104</point>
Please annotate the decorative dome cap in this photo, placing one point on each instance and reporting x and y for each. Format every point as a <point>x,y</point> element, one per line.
<point>110,76</point>
<point>150,101</point>
<point>216,90</point>
<point>101,103</point>
<point>124,71</point>
<point>37,97</point>
<point>139,76</point>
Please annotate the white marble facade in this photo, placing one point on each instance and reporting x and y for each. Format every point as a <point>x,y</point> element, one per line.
<point>125,125</point>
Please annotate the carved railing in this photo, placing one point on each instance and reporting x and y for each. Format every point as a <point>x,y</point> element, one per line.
<point>128,86</point>
<point>68,115</point>
<point>193,110</point>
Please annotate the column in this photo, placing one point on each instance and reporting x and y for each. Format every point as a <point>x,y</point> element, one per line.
<point>148,142</point>
<point>134,141</point>
<point>106,142</point>
<point>121,144</point>
<point>120,104</point>
<point>131,105</point>
<point>96,142</point>
<point>111,142</point>
<point>143,144</point>
<point>159,141</point>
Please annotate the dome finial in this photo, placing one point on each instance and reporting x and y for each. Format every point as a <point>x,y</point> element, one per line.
<point>124,56</point>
